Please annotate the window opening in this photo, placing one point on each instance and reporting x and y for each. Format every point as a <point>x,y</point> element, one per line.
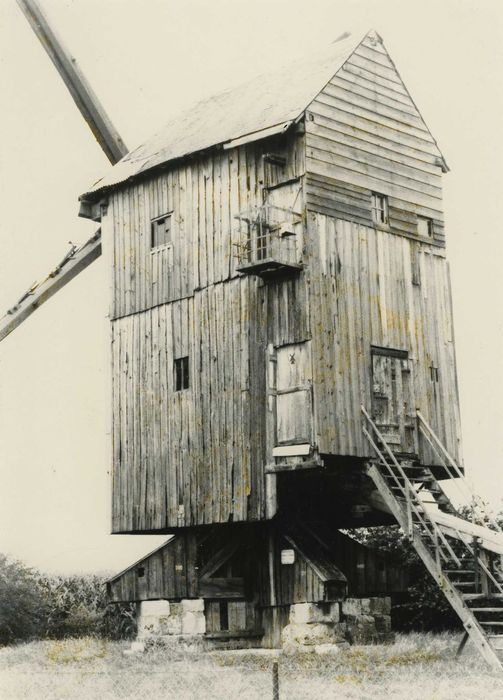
<point>160,231</point>
<point>379,208</point>
<point>141,571</point>
<point>181,373</point>
<point>424,227</point>
<point>224,615</point>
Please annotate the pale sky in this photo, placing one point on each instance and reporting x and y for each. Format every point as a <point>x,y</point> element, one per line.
<point>145,59</point>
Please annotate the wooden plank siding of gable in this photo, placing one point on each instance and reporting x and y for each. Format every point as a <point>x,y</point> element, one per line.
<point>183,458</point>
<point>368,285</point>
<point>364,134</point>
<point>366,297</point>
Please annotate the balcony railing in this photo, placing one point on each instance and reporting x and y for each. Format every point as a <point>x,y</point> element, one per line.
<point>270,241</point>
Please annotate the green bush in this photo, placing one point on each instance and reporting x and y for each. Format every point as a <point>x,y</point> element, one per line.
<point>23,606</point>
<point>36,606</point>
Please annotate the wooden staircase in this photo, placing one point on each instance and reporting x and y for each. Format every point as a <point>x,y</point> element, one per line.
<point>466,572</point>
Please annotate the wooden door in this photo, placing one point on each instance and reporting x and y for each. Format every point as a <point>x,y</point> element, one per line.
<point>293,394</point>
<point>392,400</point>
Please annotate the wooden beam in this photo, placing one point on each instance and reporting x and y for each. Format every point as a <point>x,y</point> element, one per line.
<point>83,96</point>
<point>109,140</point>
<point>73,263</point>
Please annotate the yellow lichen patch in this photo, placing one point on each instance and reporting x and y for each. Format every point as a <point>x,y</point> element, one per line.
<point>347,678</point>
<point>412,657</point>
<point>76,650</point>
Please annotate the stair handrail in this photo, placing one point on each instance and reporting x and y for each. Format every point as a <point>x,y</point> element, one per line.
<point>410,506</point>
<point>423,423</point>
<point>437,532</point>
<point>481,563</point>
<point>434,559</point>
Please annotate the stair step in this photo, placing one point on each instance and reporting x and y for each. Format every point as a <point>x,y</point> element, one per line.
<point>496,641</point>
<point>491,610</point>
<point>488,623</point>
<point>459,571</point>
<point>479,596</point>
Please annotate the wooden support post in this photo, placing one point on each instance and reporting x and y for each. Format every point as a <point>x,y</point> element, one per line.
<point>437,550</point>
<point>275,681</point>
<point>272,587</point>
<point>271,498</point>
<point>462,644</point>
<point>478,569</point>
<point>484,579</point>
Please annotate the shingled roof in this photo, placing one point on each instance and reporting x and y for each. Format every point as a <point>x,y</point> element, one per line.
<point>266,105</point>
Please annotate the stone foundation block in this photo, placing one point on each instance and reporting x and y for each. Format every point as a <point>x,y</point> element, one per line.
<point>193,605</point>
<point>193,620</point>
<point>309,613</point>
<point>356,606</point>
<point>159,618</point>
<point>380,606</point>
<point>153,619</point>
<point>361,629</point>
<point>302,637</point>
<point>383,623</point>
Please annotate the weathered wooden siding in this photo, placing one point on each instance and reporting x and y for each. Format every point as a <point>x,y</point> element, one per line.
<point>368,571</point>
<point>364,294</point>
<point>184,458</point>
<point>363,134</point>
<point>167,573</point>
<point>194,456</point>
<point>242,619</point>
<point>204,195</point>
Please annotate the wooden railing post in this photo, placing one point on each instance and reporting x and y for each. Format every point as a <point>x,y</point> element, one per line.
<point>409,512</point>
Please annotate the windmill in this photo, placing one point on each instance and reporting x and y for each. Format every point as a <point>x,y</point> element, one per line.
<point>283,360</point>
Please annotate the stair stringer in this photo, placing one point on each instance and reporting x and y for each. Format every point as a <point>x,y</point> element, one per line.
<point>466,616</point>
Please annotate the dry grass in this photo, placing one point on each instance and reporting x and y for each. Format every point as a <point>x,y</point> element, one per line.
<point>416,667</point>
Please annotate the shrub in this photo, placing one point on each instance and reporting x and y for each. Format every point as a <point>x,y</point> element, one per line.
<point>23,607</point>
<point>35,606</point>
<point>424,607</point>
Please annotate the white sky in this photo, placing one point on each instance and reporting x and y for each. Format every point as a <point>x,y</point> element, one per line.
<point>145,60</point>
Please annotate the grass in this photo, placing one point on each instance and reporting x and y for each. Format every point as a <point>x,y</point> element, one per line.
<point>415,667</point>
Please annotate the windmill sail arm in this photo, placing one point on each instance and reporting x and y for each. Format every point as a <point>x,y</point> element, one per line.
<point>76,260</point>
<point>83,95</point>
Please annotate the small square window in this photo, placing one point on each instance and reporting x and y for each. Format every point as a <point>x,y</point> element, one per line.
<point>380,209</point>
<point>141,571</point>
<point>424,227</point>
<point>160,231</point>
<point>181,373</point>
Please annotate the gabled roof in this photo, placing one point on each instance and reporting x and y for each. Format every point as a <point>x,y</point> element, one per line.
<point>269,102</point>
<point>142,559</point>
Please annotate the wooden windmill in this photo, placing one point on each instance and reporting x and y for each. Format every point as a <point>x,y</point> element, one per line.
<point>282,349</point>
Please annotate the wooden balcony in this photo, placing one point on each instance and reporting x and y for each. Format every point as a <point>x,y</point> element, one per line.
<point>270,245</point>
